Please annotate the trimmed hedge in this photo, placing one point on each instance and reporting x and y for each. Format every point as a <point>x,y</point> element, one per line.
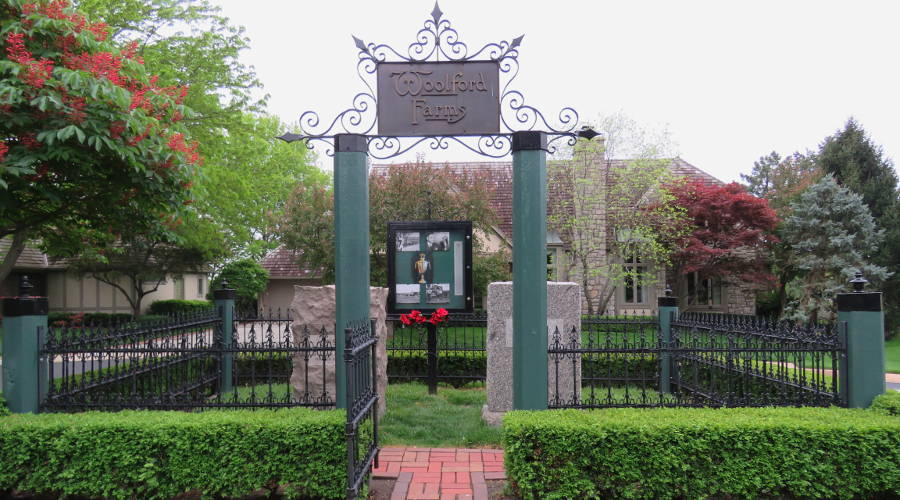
<point>87,319</point>
<point>4,411</point>
<point>163,454</point>
<point>175,306</point>
<point>701,453</point>
<point>887,403</point>
<point>472,364</point>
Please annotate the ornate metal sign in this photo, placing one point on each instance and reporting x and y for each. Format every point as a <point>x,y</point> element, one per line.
<point>405,113</point>
<point>439,98</point>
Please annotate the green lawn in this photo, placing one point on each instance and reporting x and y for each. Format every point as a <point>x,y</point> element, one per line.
<point>892,355</point>
<point>450,419</point>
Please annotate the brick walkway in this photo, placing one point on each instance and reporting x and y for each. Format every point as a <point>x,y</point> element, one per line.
<point>440,473</point>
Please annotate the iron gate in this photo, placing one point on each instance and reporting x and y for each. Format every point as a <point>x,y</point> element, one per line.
<point>362,404</point>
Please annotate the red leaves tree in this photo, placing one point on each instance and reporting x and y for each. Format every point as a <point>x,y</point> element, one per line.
<point>731,232</point>
<point>90,144</point>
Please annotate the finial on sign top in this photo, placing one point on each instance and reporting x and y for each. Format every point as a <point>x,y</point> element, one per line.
<point>436,13</point>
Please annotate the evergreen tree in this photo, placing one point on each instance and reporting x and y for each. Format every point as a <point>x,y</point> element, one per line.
<point>831,234</point>
<point>759,182</point>
<point>859,165</point>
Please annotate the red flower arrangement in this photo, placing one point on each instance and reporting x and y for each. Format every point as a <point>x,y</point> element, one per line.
<point>416,317</point>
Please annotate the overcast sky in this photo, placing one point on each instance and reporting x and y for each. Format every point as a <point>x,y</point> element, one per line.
<point>730,80</point>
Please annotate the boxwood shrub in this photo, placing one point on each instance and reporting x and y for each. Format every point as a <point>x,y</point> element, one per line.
<point>701,453</point>
<point>4,411</point>
<point>157,455</point>
<point>887,403</point>
<point>175,306</point>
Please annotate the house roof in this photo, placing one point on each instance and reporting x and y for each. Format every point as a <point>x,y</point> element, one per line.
<point>31,258</point>
<point>281,263</point>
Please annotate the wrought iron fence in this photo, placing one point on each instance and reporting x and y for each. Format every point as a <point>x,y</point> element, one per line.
<point>705,360</point>
<point>452,352</point>
<point>187,362</point>
<point>362,404</point>
<point>749,361</point>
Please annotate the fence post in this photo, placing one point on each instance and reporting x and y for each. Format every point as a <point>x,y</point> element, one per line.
<point>432,358</point>
<point>224,300</point>
<point>865,343</point>
<point>23,317</point>
<point>668,311</point>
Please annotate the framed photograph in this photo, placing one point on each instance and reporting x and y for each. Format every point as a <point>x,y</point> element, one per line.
<point>407,294</point>
<point>408,241</point>
<point>429,266</point>
<point>438,242</point>
<point>437,293</point>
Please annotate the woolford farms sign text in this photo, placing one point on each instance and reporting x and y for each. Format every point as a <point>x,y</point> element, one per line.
<point>438,98</point>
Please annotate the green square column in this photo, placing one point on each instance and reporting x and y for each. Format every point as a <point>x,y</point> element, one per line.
<point>351,242</point>
<point>668,311</point>
<point>529,270</point>
<point>23,316</point>
<point>865,346</point>
<point>224,302</point>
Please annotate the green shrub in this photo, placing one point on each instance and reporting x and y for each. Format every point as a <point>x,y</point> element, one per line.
<point>4,411</point>
<point>247,278</point>
<point>163,454</point>
<point>701,453</point>
<point>473,364</point>
<point>887,403</point>
<point>90,318</point>
<point>151,318</point>
<point>176,306</point>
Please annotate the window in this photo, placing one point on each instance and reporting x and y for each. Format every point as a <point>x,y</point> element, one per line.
<point>635,276</point>
<point>704,292</point>
<point>556,263</point>
<point>200,286</point>
<point>179,288</point>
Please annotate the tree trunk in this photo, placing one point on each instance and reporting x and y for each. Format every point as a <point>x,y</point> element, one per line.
<point>12,255</point>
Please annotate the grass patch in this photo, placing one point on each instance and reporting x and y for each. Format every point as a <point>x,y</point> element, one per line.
<point>892,355</point>
<point>449,419</point>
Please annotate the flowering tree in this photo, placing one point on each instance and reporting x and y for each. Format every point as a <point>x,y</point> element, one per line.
<point>731,232</point>
<point>90,143</point>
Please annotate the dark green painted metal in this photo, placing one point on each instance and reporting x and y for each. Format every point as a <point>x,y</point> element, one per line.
<point>530,279</point>
<point>226,312</point>
<point>667,314</point>
<point>865,356</point>
<point>20,362</point>
<point>351,228</point>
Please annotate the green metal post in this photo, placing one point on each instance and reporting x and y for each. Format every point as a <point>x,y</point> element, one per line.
<point>865,343</point>
<point>529,270</point>
<point>351,230</point>
<point>224,301</point>
<point>668,311</point>
<point>23,317</point>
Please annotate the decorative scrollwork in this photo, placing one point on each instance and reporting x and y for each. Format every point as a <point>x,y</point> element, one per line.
<point>437,40</point>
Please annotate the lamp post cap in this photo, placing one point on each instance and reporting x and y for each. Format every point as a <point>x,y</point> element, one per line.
<point>858,282</point>
<point>25,286</point>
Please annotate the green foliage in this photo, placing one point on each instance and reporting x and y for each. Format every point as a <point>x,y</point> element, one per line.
<point>176,306</point>
<point>160,455</point>
<point>94,147</point>
<point>450,364</point>
<point>247,278</point>
<point>702,453</point>
<point>4,411</point>
<point>245,189</point>
<point>859,165</point>
<point>892,355</point>
<point>832,235</point>
<point>887,403</point>
<point>489,268</point>
<point>77,319</point>
<point>450,418</point>
<point>637,211</point>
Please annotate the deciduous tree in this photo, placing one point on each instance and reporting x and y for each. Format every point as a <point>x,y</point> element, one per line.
<point>91,143</point>
<point>731,232</point>
<point>407,192</point>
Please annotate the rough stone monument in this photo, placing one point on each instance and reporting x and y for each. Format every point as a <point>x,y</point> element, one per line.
<point>313,315</point>
<point>563,313</point>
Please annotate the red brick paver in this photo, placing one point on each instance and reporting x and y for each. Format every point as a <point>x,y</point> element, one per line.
<point>440,473</point>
